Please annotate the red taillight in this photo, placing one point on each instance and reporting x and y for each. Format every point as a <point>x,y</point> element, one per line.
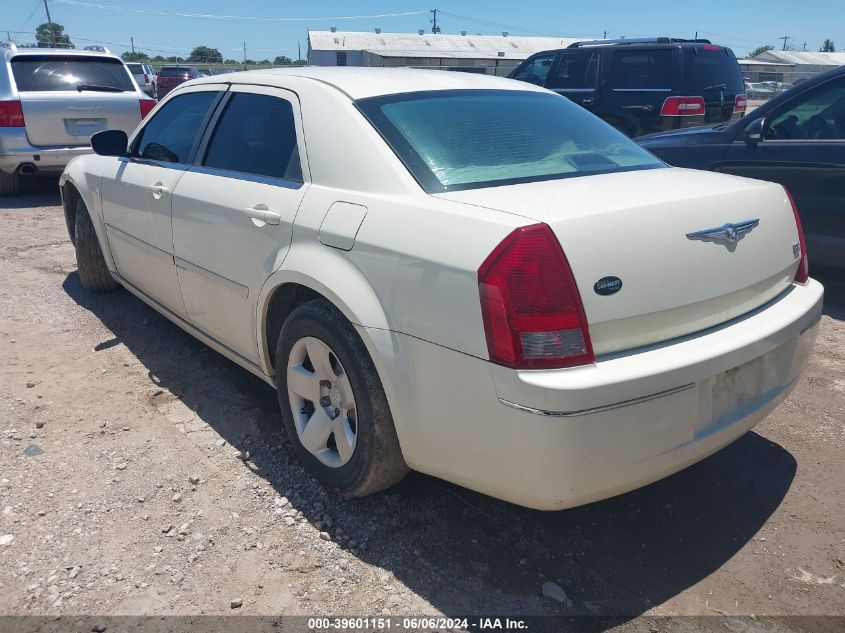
<point>711,47</point>
<point>11,114</point>
<point>533,316</point>
<point>146,106</point>
<point>683,106</point>
<point>802,275</point>
<point>740,104</point>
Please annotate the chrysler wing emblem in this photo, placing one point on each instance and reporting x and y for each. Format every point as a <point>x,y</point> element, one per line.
<point>727,233</point>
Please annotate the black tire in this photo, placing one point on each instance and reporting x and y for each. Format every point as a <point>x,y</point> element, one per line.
<point>10,184</point>
<point>92,267</point>
<point>377,461</point>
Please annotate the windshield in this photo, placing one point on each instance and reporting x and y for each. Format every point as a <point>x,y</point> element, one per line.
<point>711,68</point>
<point>53,72</point>
<point>467,139</point>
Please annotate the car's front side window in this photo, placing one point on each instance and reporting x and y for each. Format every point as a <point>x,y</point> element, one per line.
<point>256,135</point>
<point>466,139</point>
<point>535,69</point>
<point>817,115</point>
<point>170,135</point>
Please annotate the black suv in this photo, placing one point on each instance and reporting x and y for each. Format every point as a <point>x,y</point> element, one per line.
<point>644,85</point>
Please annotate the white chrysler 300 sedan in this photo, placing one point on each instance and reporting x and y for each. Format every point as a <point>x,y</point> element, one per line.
<point>464,275</point>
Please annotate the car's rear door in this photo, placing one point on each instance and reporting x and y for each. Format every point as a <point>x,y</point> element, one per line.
<point>136,196</point>
<point>804,150</point>
<point>713,73</point>
<point>66,98</point>
<point>575,76</point>
<point>233,211</point>
<point>637,82</point>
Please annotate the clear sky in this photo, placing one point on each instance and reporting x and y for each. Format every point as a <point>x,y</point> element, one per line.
<point>740,24</point>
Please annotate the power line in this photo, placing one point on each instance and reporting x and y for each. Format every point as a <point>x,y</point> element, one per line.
<point>210,16</point>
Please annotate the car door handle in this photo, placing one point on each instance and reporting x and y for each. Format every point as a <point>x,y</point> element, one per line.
<point>261,215</point>
<point>587,101</point>
<point>159,191</point>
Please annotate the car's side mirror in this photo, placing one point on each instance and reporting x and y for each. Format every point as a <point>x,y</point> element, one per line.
<point>110,143</point>
<point>755,132</point>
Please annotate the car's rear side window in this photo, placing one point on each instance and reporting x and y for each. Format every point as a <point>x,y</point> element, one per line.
<point>135,69</point>
<point>170,135</point>
<point>709,67</point>
<point>576,70</point>
<point>466,139</point>
<point>50,73</point>
<point>641,69</point>
<point>256,135</point>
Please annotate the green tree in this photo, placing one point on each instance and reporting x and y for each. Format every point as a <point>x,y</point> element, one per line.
<point>129,56</point>
<point>827,47</point>
<point>281,60</point>
<point>205,55</point>
<point>42,36</point>
<point>760,50</point>
<point>232,61</point>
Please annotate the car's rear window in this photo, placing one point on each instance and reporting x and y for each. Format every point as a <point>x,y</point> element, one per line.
<point>173,72</point>
<point>468,139</point>
<point>51,73</point>
<point>711,67</point>
<point>135,69</point>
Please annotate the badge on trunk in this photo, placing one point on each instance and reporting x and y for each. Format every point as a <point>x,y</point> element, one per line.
<point>608,286</point>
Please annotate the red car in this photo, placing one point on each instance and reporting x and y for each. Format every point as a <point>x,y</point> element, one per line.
<point>171,76</point>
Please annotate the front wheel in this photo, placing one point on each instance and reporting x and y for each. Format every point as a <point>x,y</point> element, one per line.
<point>90,263</point>
<point>333,404</point>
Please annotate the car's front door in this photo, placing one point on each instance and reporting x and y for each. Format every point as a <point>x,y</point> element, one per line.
<point>575,76</point>
<point>233,212</point>
<point>136,196</point>
<point>803,148</point>
<point>535,69</point>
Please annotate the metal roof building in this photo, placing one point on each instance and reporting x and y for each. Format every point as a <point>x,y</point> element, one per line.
<point>804,64</point>
<point>495,54</point>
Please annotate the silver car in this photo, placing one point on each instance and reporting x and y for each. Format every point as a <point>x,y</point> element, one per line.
<point>144,76</point>
<point>53,100</point>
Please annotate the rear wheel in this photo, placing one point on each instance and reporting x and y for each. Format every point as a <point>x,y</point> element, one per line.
<point>93,271</point>
<point>333,404</point>
<point>10,184</point>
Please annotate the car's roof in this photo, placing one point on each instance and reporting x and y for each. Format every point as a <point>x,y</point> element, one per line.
<point>57,52</point>
<point>361,82</point>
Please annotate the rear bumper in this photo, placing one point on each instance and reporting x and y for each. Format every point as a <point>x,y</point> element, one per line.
<point>16,150</point>
<point>556,439</point>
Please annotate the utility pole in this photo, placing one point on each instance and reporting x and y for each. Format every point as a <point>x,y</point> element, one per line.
<point>785,38</point>
<point>244,55</point>
<point>605,35</point>
<point>8,37</point>
<point>132,41</point>
<point>696,35</point>
<point>50,22</point>
<point>298,51</point>
<point>805,46</point>
<point>434,27</point>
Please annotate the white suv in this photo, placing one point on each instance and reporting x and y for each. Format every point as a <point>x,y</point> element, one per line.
<point>53,100</point>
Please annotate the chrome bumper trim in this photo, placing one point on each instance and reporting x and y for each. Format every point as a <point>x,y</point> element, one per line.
<point>607,407</point>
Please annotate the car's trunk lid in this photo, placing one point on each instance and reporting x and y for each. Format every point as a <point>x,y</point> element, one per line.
<point>67,98</point>
<point>56,119</point>
<point>634,226</point>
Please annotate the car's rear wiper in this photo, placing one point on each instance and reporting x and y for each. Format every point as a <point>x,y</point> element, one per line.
<point>97,88</point>
<point>714,86</point>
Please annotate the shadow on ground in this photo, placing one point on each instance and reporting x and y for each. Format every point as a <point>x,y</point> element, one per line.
<point>463,552</point>
<point>834,290</point>
<point>35,192</point>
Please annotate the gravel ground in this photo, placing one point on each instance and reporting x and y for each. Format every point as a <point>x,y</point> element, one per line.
<point>123,488</point>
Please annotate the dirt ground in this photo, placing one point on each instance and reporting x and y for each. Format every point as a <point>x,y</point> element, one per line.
<point>121,491</point>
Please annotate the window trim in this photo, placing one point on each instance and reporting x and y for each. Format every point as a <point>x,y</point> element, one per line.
<point>268,91</point>
<point>138,136</point>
